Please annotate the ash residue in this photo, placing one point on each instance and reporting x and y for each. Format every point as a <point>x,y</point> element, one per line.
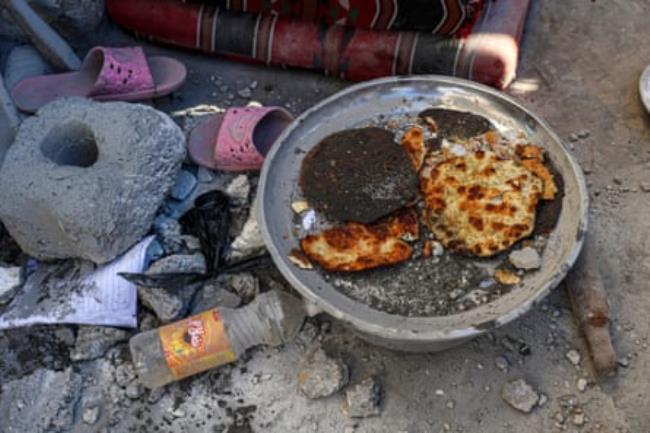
<point>435,286</point>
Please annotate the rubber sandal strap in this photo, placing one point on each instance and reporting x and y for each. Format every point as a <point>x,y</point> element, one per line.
<point>123,70</point>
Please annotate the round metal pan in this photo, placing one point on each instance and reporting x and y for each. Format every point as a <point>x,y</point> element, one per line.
<point>357,106</point>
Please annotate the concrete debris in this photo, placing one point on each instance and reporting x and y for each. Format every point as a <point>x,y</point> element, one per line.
<point>85,179</point>
<point>581,384</point>
<point>179,263</point>
<point>134,391</point>
<point>41,402</point>
<point>166,305</point>
<point>250,240</point>
<point>244,284</point>
<point>185,184</point>
<point>364,399</point>
<point>90,415</point>
<point>520,395</point>
<point>573,356</point>
<point>214,294</point>
<point>238,190</point>
<point>10,281</point>
<point>578,419</point>
<point>93,341</point>
<point>526,258</point>
<point>168,233</point>
<point>321,375</point>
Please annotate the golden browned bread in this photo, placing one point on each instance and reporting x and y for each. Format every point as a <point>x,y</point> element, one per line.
<point>355,246</point>
<point>479,204</point>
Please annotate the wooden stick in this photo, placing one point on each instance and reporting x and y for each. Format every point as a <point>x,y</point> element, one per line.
<point>53,47</point>
<point>591,310</point>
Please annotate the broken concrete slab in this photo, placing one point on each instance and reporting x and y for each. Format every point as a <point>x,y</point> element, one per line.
<point>93,341</point>
<point>85,179</point>
<point>322,375</point>
<point>364,399</point>
<point>41,402</point>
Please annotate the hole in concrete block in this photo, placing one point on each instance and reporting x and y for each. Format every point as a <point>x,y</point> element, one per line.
<point>71,144</point>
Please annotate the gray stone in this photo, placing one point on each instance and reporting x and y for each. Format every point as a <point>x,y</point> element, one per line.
<point>526,258</point>
<point>244,284</point>
<point>238,190</point>
<point>177,263</point>
<point>72,18</point>
<point>93,342</point>
<point>85,179</point>
<point>364,399</point>
<point>321,375</point>
<point>501,363</point>
<point>573,356</point>
<point>10,281</point>
<point>214,294</point>
<point>41,402</point>
<point>65,335</point>
<point>520,395</point>
<point>581,384</point>
<point>191,244</point>
<point>134,391</point>
<point>166,305</point>
<point>90,415</point>
<point>168,231</point>
<point>184,185</point>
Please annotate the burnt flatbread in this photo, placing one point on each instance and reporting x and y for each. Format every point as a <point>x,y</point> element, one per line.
<point>358,175</point>
<point>452,124</point>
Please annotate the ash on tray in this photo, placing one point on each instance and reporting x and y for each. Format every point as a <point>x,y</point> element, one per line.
<point>440,284</point>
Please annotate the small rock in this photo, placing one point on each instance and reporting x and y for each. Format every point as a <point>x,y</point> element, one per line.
<point>185,184</point>
<point>244,284</point>
<point>364,399</point>
<point>178,413</point>
<point>624,362</point>
<point>155,251</point>
<point>214,294</point>
<point>451,404</point>
<point>65,335</point>
<point>93,342</point>
<point>133,391</point>
<point>245,93</point>
<point>155,395</point>
<point>205,175</point>
<point>192,244</point>
<point>578,419</point>
<point>166,305</point>
<point>253,85</point>
<point>169,234</point>
<point>573,137</point>
<point>238,190</point>
<point>573,356</point>
<point>618,181</point>
<point>581,384</point>
<point>645,187</point>
<point>90,415</point>
<point>520,395</point>
<point>179,263</point>
<point>526,258</point>
<point>501,363</point>
<point>321,375</point>
<point>542,400</point>
<point>583,134</point>
<point>9,283</point>
<point>250,241</point>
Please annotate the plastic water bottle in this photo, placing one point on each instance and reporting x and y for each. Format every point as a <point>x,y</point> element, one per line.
<point>214,337</point>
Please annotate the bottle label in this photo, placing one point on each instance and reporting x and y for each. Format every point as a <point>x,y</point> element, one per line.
<point>196,344</point>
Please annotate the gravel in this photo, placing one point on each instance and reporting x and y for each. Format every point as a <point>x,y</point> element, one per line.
<point>573,356</point>
<point>526,259</point>
<point>520,395</point>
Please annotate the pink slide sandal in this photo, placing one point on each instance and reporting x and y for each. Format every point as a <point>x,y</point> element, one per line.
<point>107,74</point>
<point>239,139</point>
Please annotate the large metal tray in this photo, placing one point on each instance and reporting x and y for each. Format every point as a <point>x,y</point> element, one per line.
<point>357,106</point>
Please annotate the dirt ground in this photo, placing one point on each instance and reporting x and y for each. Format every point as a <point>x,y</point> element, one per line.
<point>580,68</point>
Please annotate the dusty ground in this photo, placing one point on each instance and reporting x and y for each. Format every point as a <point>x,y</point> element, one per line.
<point>580,71</point>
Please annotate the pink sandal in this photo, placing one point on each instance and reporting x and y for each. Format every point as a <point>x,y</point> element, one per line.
<point>107,74</point>
<point>239,139</point>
